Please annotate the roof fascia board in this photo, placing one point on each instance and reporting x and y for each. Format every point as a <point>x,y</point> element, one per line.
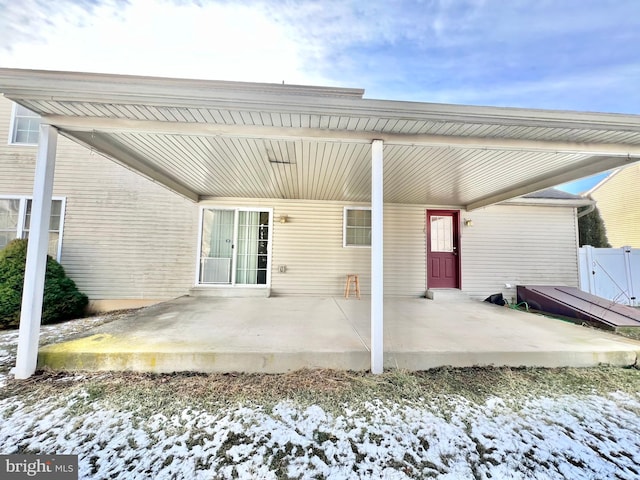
<point>549,202</point>
<point>20,85</point>
<point>146,86</point>
<point>590,167</point>
<point>102,145</point>
<point>387,109</point>
<point>90,124</point>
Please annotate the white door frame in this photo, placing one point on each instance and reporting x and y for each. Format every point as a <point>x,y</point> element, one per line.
<point>235,250</point>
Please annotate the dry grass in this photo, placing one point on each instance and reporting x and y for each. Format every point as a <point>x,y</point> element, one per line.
<point>329,389</point>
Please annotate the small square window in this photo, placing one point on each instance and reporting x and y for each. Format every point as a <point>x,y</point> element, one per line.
<point>25,126</point>
<point>357,227</point>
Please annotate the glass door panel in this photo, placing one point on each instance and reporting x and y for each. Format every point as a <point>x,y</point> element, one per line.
<point>216,257</point>
<point>252,254</point>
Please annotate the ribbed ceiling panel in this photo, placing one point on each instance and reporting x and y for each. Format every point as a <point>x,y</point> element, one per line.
<point>303,165</point>
<point>347,123</point>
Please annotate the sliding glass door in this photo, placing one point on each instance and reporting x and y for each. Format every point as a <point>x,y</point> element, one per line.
<point>235,247</point>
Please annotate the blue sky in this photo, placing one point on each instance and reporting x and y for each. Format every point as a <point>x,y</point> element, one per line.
<point>558,54</point>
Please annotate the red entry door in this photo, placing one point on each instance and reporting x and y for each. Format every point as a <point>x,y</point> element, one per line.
<point>443,253</point>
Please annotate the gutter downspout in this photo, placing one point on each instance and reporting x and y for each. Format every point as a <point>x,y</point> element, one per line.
<point>588,210</point>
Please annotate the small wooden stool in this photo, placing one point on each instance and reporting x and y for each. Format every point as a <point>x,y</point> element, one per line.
<point>352,277</point>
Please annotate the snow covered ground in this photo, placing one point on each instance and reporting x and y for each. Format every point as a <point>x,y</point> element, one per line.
<point>449,436</point>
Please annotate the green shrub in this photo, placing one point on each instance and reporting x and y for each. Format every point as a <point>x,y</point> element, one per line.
<point>592,231</point>
<point>62,299</point>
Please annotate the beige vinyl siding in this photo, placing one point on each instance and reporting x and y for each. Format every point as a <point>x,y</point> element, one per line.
<point>518,245</point>
<point>619,205</point>
<point>125,237</point>
<point>405,250</point>
<point>506,244</point>
<point>310,246</point>
<point>16,162</point>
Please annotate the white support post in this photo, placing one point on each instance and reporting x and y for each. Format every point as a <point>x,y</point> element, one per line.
<point>377,278</point>
<point>33,291</point>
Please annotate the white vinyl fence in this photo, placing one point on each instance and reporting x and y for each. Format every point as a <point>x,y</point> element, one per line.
<point>611,273</point>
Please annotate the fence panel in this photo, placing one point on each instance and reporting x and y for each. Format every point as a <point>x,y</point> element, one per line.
<point>611,273</point>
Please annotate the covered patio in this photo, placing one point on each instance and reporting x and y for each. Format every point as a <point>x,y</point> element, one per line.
<point>280,334</point>
<point>208,140</point>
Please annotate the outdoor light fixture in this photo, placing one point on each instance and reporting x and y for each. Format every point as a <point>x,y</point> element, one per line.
<point>468,222</point>
<point>283,218</point>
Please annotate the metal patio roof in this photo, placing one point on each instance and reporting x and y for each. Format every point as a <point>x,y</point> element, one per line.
<point>207,139</point>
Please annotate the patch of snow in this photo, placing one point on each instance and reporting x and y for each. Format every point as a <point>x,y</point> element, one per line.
<point>571,436</point>
<point>566,437</point>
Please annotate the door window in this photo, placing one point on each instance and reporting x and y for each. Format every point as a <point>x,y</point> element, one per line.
<point>441,233</point>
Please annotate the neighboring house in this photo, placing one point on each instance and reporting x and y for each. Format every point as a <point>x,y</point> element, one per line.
<point>255,189</point>
<point>618,200</point>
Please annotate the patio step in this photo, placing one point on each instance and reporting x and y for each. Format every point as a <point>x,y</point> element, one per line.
<point>447,295</point>
<point>229,292</point>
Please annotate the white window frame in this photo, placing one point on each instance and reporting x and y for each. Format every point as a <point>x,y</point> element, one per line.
<point>22,216</point>
<point>12,127</point>
<point>233,283</point>
<point>344,227</point>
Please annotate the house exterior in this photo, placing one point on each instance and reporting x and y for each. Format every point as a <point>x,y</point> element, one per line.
<point>164,187</point>
<point>618,200</point>
<point>125,241</point>
<point>128,241</point>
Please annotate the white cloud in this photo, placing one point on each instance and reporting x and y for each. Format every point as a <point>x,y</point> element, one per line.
<point>257,40</point>
<point>478,51</point>
<point>222,41</point>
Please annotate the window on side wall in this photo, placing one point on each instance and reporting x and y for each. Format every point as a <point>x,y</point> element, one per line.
<point>25,126</point>
<point>357,227</point>
<point>15,221</point>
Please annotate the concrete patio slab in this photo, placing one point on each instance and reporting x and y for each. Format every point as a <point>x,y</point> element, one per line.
<point>281,334</point>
